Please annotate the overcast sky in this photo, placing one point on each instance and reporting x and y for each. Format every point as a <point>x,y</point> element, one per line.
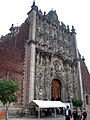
<point>71,12</point>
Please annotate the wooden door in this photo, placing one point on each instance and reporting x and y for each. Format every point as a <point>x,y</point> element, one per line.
<point>56,90</point>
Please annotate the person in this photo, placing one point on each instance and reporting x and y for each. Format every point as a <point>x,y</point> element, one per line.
<point>84,114</point>
<point>68,113</point>
<point>75,114</point>
<point>79,113</point>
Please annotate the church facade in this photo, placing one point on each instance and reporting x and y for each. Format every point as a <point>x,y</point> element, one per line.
<point>42,56</point>
<point>51,59</point>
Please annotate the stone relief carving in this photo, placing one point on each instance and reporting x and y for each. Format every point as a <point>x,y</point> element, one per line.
<point>46,71</point>
<point>52,39</point>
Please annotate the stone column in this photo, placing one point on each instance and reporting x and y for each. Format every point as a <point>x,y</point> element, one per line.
<point>32,45</point>
<point>80,78</point>
<point>63,94</point>
<point>76,58</point>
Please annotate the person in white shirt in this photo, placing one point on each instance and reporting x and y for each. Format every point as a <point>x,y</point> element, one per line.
<point>68,113</point>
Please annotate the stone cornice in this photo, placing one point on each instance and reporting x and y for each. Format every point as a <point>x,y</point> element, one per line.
<point>31,42</point>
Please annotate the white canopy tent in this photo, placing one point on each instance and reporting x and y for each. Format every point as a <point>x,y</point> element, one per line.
<point>46,104</point>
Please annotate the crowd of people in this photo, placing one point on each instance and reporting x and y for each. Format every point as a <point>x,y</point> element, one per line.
<point>75,114</point>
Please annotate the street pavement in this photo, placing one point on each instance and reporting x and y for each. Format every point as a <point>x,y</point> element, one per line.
<point>58,117</point>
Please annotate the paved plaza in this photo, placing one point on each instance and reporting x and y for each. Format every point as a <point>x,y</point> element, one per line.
<point>58,117</point>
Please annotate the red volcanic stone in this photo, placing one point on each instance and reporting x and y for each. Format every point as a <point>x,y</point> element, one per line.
<point>12,52</point>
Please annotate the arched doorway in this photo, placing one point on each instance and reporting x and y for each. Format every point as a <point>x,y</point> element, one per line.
<point>56,90</point>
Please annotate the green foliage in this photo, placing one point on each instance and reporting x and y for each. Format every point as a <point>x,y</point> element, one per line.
<point>77,102</point>
<point>8,88</point>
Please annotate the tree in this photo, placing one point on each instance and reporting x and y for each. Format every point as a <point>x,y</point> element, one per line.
<point>8,89</point>
<point>77,102</point>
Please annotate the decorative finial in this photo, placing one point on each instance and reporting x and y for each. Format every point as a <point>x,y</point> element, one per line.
<point>44,13</point>
<point>68,30</point>
<point>34,6</point>
<point>83,58</point>
<point>12,28</point>
<point>73,29</point>
<point>68,27</point>
<point>33,2</point>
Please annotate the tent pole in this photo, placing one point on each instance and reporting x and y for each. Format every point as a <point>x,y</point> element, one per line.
<point>55,111</point>
<point>38,112</point>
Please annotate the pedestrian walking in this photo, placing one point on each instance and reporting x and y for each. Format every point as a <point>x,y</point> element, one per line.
<point>84,114</point>
<point>75,114</point>
<point>79,113</point>
<point>68,113</point>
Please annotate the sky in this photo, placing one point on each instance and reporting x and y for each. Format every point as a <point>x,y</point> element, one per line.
<point>70,12</point>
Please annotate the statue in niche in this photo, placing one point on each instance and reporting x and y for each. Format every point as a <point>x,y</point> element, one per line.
<point>52,70</point>
<point>57,65</point>
<point>40,78</point>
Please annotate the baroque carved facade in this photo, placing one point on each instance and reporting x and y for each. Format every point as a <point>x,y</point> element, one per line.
<point>52,56</point>
<point>42,56</point>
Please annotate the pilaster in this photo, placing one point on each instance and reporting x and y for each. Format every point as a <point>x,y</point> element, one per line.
<point>32,46</point>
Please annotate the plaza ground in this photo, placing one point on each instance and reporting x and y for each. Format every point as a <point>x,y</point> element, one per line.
<point>58,117</point>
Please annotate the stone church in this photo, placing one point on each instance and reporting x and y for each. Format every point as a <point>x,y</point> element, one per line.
<point>42,56</point>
